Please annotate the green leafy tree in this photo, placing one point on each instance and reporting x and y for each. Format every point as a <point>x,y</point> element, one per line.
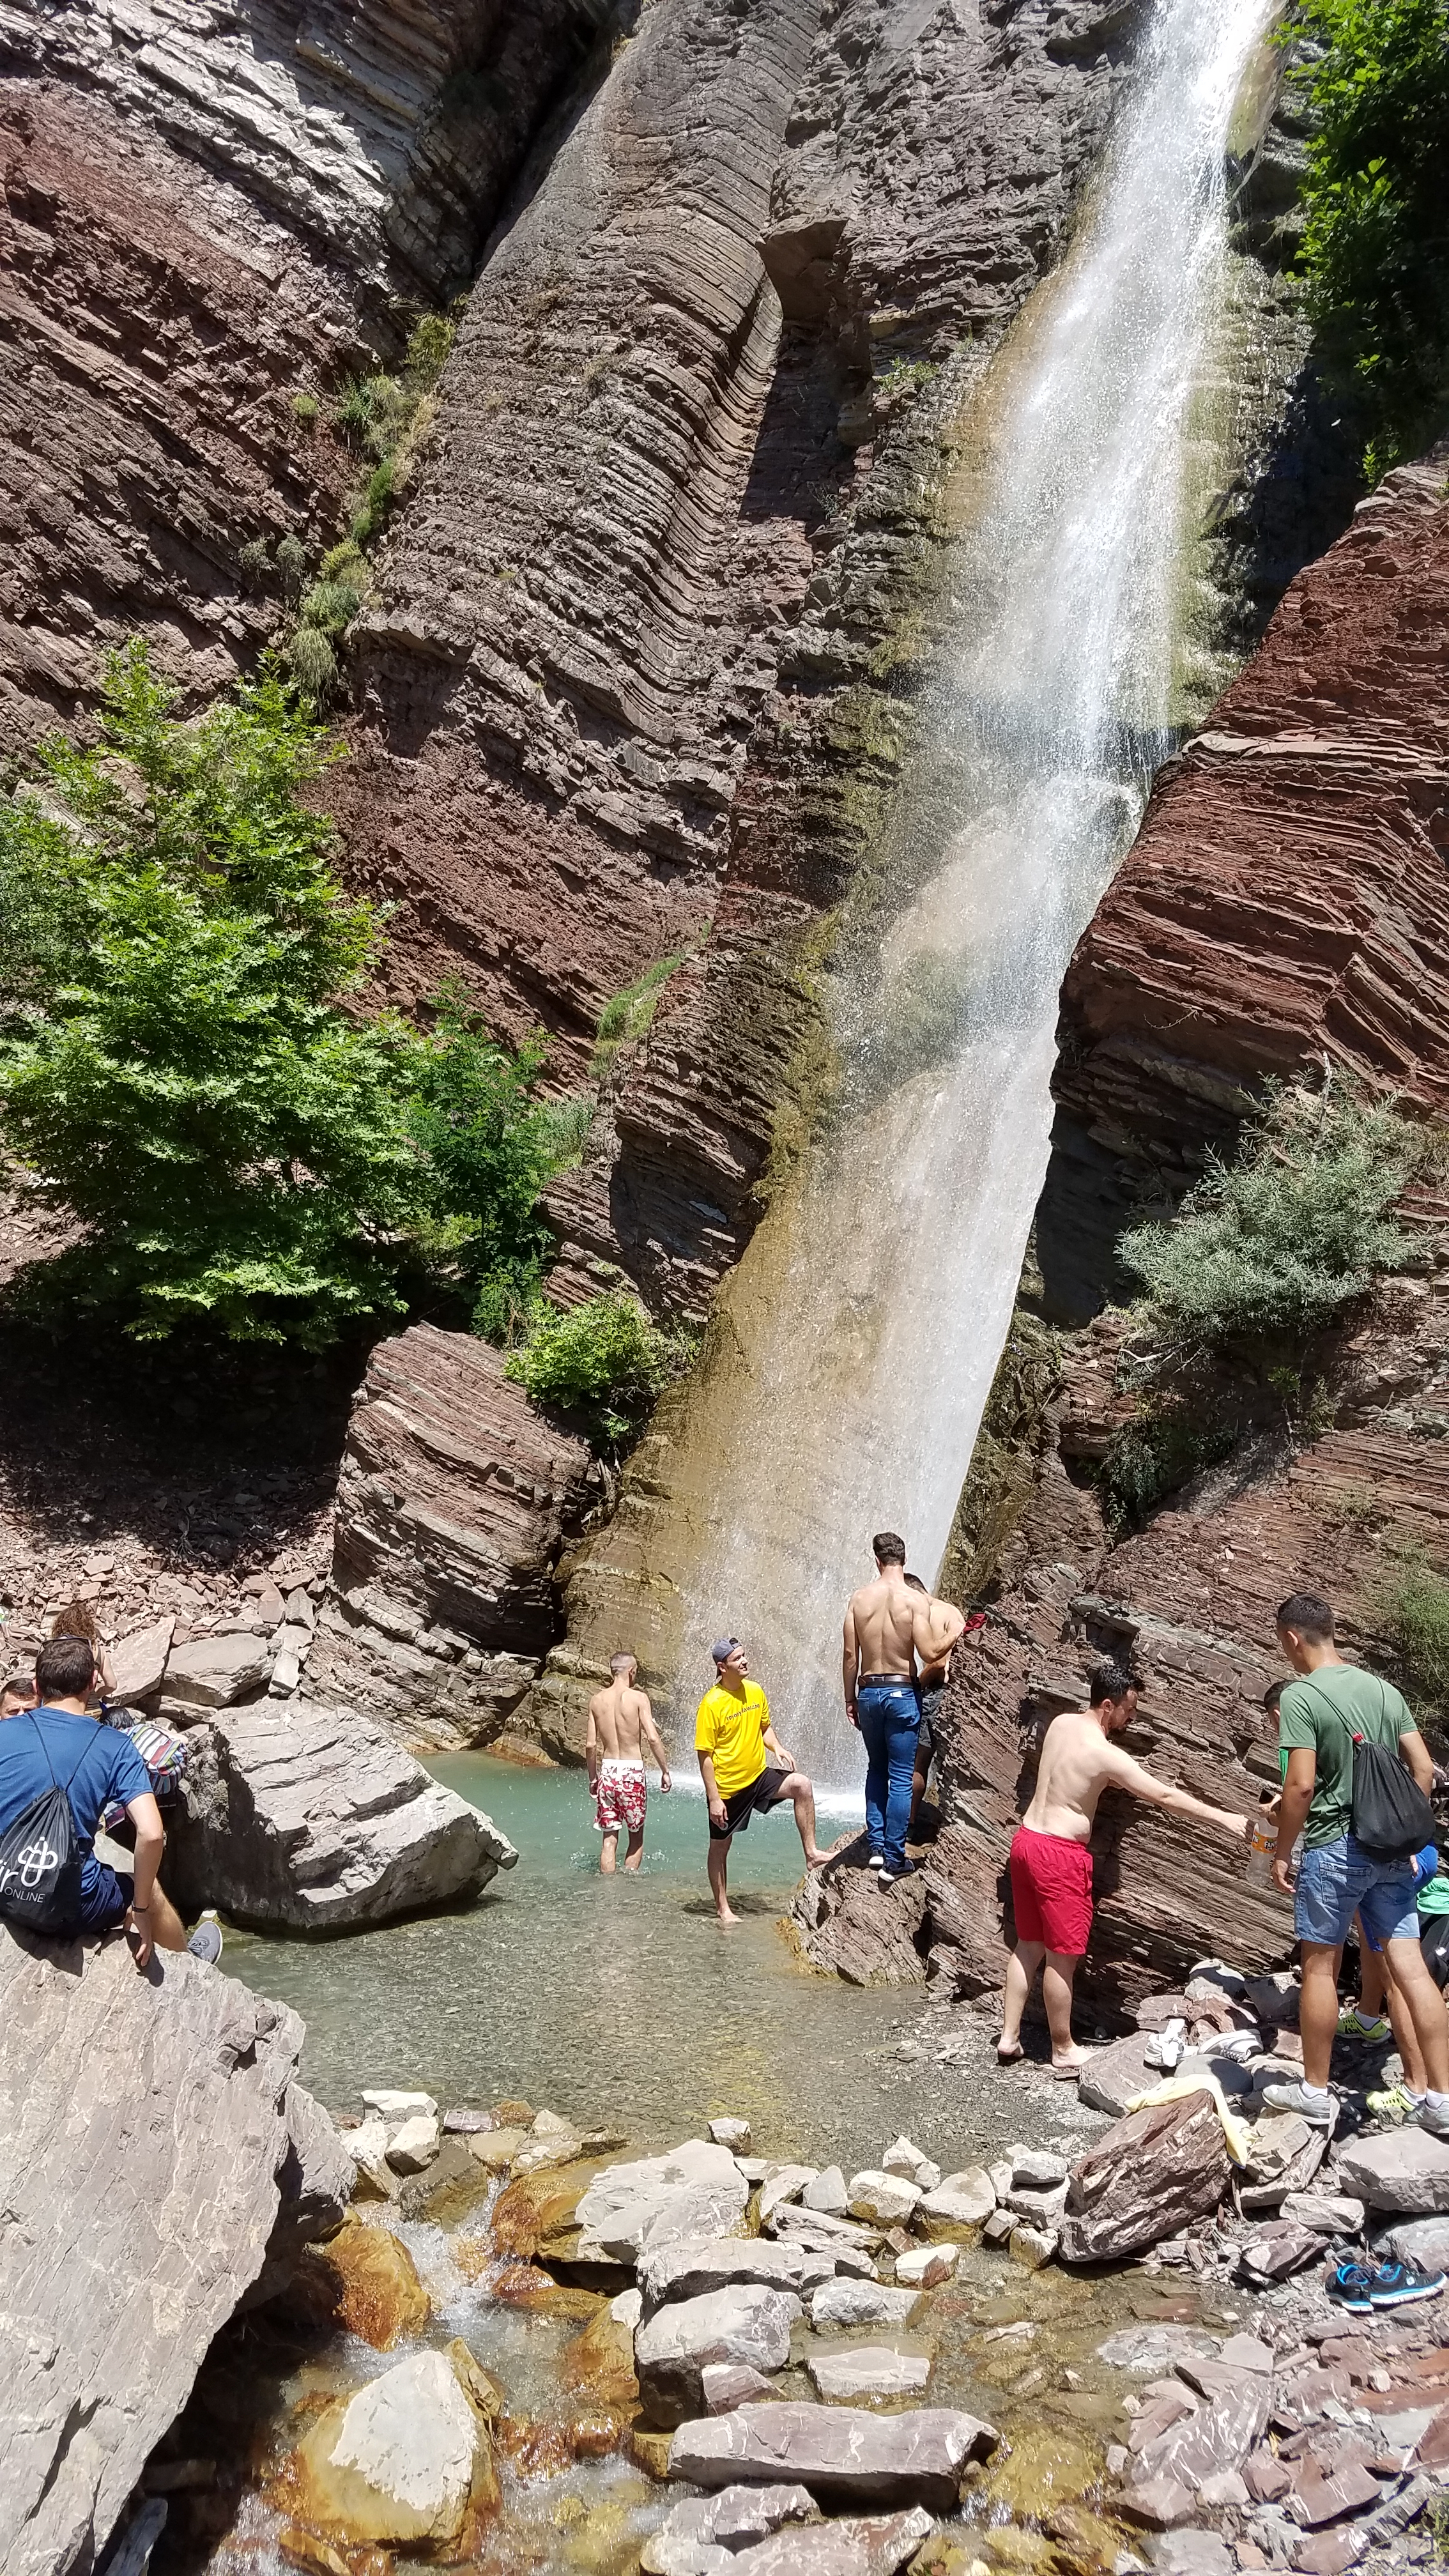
<point>604,1362</point>
<point>1375,247</point>
<point>1271,1247</point>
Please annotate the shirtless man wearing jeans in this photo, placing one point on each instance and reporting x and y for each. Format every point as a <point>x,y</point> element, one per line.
<point>1051,1865</point>
<point>887,1627</point>
<point>621,1723</point>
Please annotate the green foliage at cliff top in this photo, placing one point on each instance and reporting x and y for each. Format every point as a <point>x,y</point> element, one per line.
<point>1270,1247</point>
<point>1375,249</point>
<point>177,1058</point>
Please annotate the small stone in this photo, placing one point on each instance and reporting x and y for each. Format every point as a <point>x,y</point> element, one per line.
<point>1156,2347</point>
<point>496,2148</point>
<point>413,2145</point>
<point>367,2146</point>
<point>1223,2491</point>
<point>300,1613</point>
<point>998,2227</point>
<point>884,2198</point>
<point>827,2193</point>
<point>728,2384</point>
<point>628,2308</point>
<point>1039,2208</point>
<point>734,2134</point>
<point>1161,2501</point>
<point>1033,2246</point>
<point>1192,2552</point>
<point>964,2199</point>
<point>463,2122</point>
<point>271,1608</point>
<point>904,2157</point>
<point>549,2124</point>
<point>860,2303</point>
<point>998,2175</point>
<point>926,2266</point>
<point>1245,2352</point>
<point>399,2106</point>
<point>1039,2168</point>
<point>869,2370</point>
<point>782,2183</point>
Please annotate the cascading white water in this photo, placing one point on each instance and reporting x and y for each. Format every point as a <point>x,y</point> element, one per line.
<point>865,1339</point>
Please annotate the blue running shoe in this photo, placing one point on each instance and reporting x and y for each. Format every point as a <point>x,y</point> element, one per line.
<point>1349,2285</point>
<point>1394,2285</point>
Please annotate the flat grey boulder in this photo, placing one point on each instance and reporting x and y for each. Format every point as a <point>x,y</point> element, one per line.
<point>297,1818</point>
<point>138,1662</point>
<point>630,2209</point>
<point>1422,2240</point>
<point>860,2303</point>
<point>916,2457</point>
<point>964,2199</point>
<point>852,2546</point>
<point>1115,2076</point>
<point>700,2536</point>
<point>686,2267</point>
<point>1403,2170</point>
<point>744,2324</point>
<point>214,1672</point>
<point>154,2149</point>
<point>872,2370</point>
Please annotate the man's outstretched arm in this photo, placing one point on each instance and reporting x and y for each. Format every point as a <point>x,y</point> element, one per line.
<point>1124,1773</point>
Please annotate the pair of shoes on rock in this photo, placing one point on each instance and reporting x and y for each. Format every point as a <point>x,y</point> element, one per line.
<point>887,1877</point>
<point>1362,2287</point>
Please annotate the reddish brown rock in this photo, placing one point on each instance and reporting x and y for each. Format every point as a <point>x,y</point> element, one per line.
<point>455,1500</point>
<point>1149,2175</point>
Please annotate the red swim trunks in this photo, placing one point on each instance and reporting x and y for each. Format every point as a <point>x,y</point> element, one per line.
<point>1051,1890</point>
<point>621,1797</point>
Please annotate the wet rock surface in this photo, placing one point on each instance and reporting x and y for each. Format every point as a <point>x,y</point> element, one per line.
<point>155,2146</point>
<point>917,2456</point>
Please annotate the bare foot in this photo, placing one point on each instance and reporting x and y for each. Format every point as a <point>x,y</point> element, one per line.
<point>1008,2052</point>
<point>724,1914</point>
<point>1072,2065</point>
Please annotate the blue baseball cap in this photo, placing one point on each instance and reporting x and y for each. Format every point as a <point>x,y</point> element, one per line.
<point>723,1648</point>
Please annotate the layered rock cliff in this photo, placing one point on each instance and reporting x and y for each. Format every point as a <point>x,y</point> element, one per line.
<point>206,214</point>
<point>1281,909</point>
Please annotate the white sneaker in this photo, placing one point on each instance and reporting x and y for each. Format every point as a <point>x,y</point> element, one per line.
<point>205,1941</point>
<point>1319,2109</point>
<point>876,1861</point>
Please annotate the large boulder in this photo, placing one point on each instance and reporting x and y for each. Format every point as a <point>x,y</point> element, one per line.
<point>454,1502</point>
<point>743,2323</point>
<point>214,1672</point>
<point>1403,2170</point>
<point>304,1819</point>
<point>1149,2175</point>
<point>404,2460</point>
<point>686,2267</point>
<point>638,2208</point>
<point>154,2146</point>
<point>917,2457</point>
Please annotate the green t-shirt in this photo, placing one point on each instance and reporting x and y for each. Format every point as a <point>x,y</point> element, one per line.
<point>1323,1712</point>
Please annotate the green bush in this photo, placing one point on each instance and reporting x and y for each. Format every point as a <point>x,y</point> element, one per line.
<point>1154,1454</point>
<point>1272,1246</point>
<point>604,1362</point>
<point>312,663</point>
<point>254,559</point>
<point>292,564</point>
<point>371,515</point>
<point>1375,247</point>
<point>176,1058</point>
<point>430,343</point>
<point>331,606</point>
<point>1411,1609</point>
<point>305,408</point>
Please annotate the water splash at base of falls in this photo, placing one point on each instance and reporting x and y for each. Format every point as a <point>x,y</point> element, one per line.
<point>859,1337</point>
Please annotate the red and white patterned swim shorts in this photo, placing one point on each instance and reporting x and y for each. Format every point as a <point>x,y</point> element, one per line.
<point>621,1797</point>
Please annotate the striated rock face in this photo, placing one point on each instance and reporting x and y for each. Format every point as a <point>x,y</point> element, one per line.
<point>306,1819</point>
<point>1284,899</point>
<point>454,1502</point>
<point>151,2134</point>
<point>203,217</point>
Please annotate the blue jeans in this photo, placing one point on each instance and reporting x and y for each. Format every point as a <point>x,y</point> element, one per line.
<point>890,1718</point>
<point>1338,1880</point>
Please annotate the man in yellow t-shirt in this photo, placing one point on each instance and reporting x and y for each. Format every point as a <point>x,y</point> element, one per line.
<point>734,1740</point>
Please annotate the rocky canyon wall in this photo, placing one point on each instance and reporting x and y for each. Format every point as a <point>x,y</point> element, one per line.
<point>1282,909</point>
<point>206,213</point>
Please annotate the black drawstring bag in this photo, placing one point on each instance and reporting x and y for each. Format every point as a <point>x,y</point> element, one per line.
<point>40,1859</point>
<point>1434,1942</point>
<point>1392,1818</point>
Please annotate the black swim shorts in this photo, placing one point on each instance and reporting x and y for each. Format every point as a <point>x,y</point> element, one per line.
<point>755,1796</point>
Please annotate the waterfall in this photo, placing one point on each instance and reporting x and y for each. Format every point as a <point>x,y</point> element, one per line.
<point>863,1328</point>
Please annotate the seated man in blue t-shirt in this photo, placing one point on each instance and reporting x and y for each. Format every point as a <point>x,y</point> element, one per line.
<point>57,1745</point>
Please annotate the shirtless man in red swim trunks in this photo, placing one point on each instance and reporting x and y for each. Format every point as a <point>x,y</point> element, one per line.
<point>1051,1865</point>
<point>621,1723</point>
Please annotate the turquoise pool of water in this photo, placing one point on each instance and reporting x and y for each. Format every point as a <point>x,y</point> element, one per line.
<point>619,2000</point>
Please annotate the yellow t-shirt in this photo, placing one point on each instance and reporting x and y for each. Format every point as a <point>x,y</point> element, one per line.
<point>733,1730</point>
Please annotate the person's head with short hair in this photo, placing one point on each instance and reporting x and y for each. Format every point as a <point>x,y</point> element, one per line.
<point>1305,1630</point>
<point>17,1693</point>
<point>915,1584</point>
<point>1271,1697</point>
<point>729,1657</point>
<point>64,1669</point>
<point>888,1549</point>
<point>623,1664</point>
<point>1112,1694</point>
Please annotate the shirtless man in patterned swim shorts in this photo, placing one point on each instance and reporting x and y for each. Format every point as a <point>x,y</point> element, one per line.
<point>621,1723</point>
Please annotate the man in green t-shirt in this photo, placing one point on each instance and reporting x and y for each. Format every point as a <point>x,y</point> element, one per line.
<point>1321,1711</point>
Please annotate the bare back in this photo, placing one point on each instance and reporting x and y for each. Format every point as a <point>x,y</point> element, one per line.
<point>1074,1767</point>
<point>888,1624</point>
<point>620,1715</point>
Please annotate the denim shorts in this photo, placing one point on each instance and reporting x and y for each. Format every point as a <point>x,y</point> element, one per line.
<point>1339,1880</point>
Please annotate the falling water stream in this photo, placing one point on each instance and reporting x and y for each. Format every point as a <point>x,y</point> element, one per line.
<point>862,1330</point>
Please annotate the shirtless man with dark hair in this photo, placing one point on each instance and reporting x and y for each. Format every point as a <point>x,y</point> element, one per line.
<point>888,1628</point>
<point>1051,1864</point>
<point>621,1723</point>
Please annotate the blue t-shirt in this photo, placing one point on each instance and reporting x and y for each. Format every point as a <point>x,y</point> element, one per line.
<point>95,1763</point>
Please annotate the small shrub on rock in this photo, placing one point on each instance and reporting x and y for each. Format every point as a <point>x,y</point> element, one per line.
<point>1410,1607</point>
<point>1271,1247</point>
<point>312,663</point>
<point>605,1362</point>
